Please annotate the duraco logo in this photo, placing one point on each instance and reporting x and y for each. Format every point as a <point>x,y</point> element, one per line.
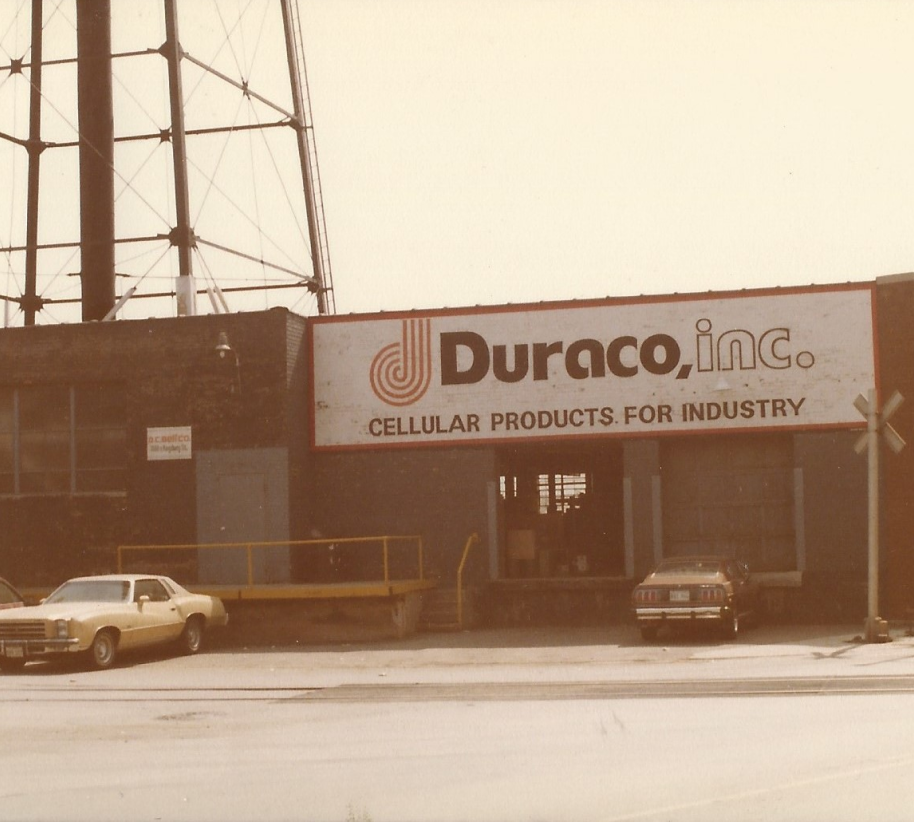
<point>467,357</point>
<point>402,371</point>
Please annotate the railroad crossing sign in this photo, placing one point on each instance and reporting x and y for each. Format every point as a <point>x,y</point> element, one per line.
<point>881,419</point>
<point>876,629</point>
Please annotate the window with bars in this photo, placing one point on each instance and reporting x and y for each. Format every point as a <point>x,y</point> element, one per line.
<point>556,492</point>
<point>59,439</point>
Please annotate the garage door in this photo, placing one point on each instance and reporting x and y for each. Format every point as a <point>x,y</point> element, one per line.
<point>730,496</point>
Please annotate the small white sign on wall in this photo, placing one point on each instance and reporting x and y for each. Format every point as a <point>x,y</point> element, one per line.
<point>169,443</point>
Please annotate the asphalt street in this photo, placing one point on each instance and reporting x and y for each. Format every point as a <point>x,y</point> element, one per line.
<point>792,724</point>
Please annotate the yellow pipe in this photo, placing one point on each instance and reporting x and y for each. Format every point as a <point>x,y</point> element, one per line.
<point>474,537</point>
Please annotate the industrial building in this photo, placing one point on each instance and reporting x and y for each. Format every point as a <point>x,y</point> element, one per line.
<point>581,441</point>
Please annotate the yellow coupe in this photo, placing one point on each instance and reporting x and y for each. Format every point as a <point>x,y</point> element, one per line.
<point>100,616</point>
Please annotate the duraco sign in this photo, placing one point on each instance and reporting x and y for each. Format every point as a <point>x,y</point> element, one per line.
<point>791,359</point>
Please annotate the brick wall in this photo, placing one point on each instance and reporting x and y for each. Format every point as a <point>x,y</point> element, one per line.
<point>172,376</point>
<point>895,310</point>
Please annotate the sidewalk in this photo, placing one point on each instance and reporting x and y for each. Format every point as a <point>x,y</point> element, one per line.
<point>582,655</point>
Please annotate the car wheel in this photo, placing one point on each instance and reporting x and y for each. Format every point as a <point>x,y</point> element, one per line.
<point>192,636</point>
<point>649,632</point>
<point>9,666</point>
<point>730,626</point>
<point>103,650</point>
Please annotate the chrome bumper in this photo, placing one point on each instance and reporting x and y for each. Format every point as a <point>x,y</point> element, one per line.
<point>29,648</point>
<point>685,613</point>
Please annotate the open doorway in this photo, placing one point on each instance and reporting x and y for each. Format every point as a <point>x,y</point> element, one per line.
<point>561,512</point>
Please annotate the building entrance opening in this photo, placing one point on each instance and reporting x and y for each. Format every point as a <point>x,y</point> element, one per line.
<point>562,513</point>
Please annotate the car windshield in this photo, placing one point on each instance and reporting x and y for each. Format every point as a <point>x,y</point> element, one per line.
<point>688,567</point>
<point>94,590</point>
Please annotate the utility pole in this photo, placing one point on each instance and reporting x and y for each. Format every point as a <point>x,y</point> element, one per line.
<point>875,629</point>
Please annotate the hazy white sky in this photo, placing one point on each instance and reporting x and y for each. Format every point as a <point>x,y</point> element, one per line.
<point>493,151</point>
<point>497,151</point>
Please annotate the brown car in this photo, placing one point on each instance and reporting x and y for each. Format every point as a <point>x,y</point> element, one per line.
<point>690,591</point>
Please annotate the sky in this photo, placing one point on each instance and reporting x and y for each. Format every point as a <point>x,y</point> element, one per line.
<point>511,151</point>
<point>527,150</point>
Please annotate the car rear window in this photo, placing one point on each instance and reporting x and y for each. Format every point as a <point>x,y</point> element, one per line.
<point>688,567</point>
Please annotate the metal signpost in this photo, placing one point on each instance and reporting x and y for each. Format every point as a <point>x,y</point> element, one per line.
<point>876,629</point>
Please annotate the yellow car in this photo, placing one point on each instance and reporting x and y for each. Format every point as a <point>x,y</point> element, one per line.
<point>100,616</point>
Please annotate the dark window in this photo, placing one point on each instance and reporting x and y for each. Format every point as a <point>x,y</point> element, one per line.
<point>56,439</point>
<point>101,439</point>
<point>7,452</point>
<point>44,439</point>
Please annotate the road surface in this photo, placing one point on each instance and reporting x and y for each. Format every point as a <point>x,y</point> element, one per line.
<point>785,724</point>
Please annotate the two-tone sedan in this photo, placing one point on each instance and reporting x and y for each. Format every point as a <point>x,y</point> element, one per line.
<point>684,591</point>
<point>100,616</point>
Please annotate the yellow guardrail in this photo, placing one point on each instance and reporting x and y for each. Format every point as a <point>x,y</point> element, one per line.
<point>474,537</point>
<point>385,544</point>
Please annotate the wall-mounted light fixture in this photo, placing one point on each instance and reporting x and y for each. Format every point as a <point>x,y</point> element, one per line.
<point>222,345</point>
<point>225,351</point>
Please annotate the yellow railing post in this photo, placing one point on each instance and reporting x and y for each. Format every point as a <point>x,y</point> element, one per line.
<point>250,548</point>
<point>466,552</point>
<point>386,563</point>
<point>421,559</point>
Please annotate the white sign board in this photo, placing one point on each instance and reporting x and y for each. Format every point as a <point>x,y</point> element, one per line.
<point>786,359</point>
<point>169,443</point>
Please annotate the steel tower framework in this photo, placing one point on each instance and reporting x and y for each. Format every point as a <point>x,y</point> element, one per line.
<point>96,140</point>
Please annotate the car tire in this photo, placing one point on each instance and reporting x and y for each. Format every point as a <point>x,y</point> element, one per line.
<point>649,632</point>
<point>730,626</point>
<point>10,666</point>
<point>192,635</point>
<point>103,650</point>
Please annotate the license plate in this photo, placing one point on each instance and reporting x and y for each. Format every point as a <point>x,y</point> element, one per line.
<point>679,596</point>
<point>14,651</point>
